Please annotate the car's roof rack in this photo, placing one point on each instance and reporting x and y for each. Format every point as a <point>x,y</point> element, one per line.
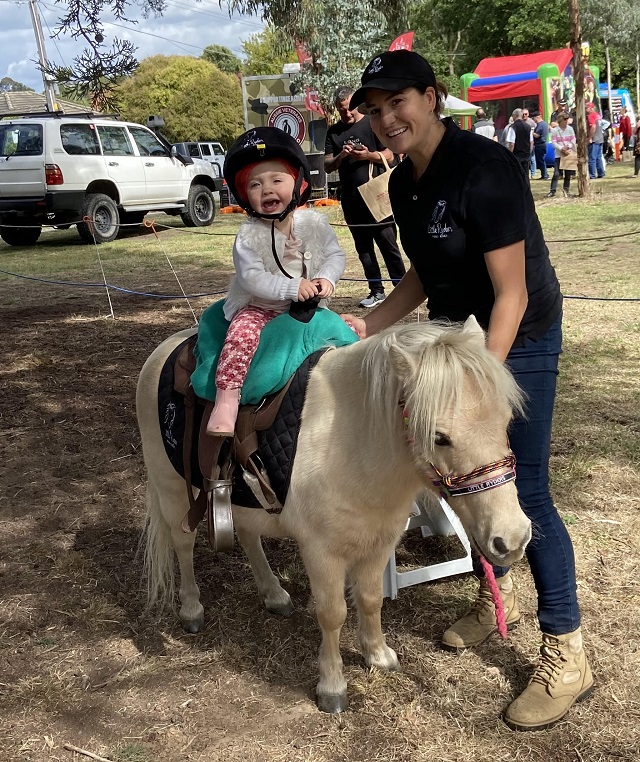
<point>58,114</point>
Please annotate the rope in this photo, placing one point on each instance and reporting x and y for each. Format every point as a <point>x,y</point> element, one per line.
<point>150,224</point>
<point>92,229</point>
<point>490,579</point>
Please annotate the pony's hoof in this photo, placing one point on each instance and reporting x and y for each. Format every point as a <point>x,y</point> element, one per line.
<point>333,703</point>
<point>194,626</point>
<point>282,609</point>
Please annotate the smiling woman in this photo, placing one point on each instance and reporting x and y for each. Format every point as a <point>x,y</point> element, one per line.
<point>469,227</point>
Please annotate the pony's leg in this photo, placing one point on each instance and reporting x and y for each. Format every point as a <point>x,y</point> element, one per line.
<point>191,610</point>
<point>250,524</point>
<point>327,575</point>
<point>366,590</point>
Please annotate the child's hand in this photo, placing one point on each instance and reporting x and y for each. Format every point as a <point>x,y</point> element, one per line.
<point>324,286</point>
<point>306,290</point>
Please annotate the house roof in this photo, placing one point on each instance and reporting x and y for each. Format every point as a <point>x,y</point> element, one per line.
<point>18,103</point>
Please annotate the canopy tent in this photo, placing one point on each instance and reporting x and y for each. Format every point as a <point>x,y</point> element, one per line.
<point>457,107</point>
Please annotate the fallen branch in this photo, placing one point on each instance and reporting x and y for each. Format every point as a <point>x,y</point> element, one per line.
<point>71,747</point>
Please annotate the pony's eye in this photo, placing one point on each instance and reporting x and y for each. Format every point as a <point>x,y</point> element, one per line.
<point>442,440</point>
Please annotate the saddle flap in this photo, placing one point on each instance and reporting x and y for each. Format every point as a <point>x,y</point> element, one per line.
<point>184,367</point>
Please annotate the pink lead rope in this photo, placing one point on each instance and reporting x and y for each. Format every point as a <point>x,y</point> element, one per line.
<point>495,594</point>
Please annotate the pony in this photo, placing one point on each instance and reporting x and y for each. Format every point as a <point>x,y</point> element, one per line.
<point>418,405</point>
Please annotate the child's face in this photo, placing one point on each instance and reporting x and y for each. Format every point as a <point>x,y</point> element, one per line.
<point>270,187</point>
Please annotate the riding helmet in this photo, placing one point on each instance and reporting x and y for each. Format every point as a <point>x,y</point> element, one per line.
<point>264,144</point>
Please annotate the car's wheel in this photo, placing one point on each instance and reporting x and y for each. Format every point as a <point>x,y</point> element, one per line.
<point>103,213</point>
<point>201,207</point>
<point>20,236</point>
<point>131,218</point>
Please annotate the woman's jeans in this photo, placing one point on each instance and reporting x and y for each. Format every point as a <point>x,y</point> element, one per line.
<point>550,552</point>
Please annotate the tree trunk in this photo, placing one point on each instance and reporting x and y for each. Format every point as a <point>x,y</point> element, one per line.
<point>581,120</point>
<point>607,53</point>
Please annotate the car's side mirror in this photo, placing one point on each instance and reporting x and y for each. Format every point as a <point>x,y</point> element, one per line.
<point>174,151</point>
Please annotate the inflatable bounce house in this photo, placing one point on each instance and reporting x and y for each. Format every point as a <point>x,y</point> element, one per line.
<point>534,81</point>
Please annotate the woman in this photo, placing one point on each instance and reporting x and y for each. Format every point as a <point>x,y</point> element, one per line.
<point>563,140</point>
<point>468,225</point>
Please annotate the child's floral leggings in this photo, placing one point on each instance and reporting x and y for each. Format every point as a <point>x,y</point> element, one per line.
<point>240,346</point>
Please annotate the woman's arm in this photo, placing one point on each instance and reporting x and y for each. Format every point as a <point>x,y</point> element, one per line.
<point>506,269</point>
<point>404,298</point>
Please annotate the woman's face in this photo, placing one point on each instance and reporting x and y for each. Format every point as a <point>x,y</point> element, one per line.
<point>403,121</point>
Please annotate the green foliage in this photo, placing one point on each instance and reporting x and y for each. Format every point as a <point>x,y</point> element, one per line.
<point>8,85</point>
<point>223,58</point>
<point>196,100</point>
<point>267,52</point>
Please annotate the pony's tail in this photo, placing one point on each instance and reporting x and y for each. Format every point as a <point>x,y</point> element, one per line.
<point>158,557</point>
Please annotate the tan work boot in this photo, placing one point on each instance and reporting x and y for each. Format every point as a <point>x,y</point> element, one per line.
<point>476,626</point>
<point>561,678</point>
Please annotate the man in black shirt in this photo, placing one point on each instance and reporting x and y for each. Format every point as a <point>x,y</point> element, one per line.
<point>520,140</point>
<point>350,148</point>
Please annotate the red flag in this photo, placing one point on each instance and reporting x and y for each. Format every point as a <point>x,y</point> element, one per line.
<point>404,42</point>
<point>304,57</point>
<point>312,102</point>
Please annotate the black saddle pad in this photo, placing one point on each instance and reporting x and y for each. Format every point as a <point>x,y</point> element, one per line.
<point>276,445</point>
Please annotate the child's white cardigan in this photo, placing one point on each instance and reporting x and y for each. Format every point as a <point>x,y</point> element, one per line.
<point>257,273</point>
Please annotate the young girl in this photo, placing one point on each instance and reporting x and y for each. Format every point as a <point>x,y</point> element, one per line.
<point>280,255</point>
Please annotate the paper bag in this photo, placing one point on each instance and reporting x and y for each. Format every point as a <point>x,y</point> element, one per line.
<point>375,192</point>
<point>570,161</point>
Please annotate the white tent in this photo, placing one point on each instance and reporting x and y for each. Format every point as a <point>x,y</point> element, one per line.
<point>457,107</point>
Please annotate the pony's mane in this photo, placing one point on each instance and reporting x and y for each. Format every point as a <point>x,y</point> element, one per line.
<point>442,357</point>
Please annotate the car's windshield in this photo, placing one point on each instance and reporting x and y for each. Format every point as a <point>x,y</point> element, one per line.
<point>20,139</point>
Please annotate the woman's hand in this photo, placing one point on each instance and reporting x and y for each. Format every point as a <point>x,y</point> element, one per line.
<point>356,324</point>
<point>306,290</point>
<point>324,287</point>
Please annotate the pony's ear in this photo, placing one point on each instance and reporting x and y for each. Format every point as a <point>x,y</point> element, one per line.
<point>402,362</point>
<point>471,325</point>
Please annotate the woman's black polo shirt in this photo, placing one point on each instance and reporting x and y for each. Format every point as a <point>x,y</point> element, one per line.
<point>472,198</point>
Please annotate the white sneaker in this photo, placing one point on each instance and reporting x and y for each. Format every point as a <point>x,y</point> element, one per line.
<point>372,300</point>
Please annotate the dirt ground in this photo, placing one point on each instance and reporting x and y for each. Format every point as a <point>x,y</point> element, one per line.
<point>79,666</point>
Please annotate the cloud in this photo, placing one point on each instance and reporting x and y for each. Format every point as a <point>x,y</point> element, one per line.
<point>186,28</point>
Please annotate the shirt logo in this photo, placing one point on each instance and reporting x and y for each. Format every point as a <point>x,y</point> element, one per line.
<point>436,229</point>
<point>376,66</point>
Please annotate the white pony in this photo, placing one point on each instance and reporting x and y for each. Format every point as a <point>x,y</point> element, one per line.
<point>382,419</point>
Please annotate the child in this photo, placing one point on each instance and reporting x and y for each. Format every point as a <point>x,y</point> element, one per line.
<point>280,255</point>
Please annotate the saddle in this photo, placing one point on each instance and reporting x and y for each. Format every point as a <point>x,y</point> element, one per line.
<point>219,457</point>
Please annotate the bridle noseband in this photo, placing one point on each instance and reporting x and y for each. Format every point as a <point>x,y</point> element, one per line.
<point>451,485</point>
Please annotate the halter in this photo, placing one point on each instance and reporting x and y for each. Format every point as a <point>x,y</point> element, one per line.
<point>451,485</point>
<point>455,485</point>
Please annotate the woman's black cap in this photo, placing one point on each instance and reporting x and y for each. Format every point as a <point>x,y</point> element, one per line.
<point>394,70</point>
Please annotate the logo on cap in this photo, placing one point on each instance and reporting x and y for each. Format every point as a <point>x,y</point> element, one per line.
<point>376,66</point>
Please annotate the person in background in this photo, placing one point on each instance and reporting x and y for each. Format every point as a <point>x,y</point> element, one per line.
<point>532,159</point>
<point>626,129</point>
<point>636,150</point>
<point>483,126</point>
<point>350,148</point>
<point>596,139</point>
<point>562,109</point>
<point>520,140</point>
<point>563,139</point>
<point>468,224</point>
<point>540,135</point>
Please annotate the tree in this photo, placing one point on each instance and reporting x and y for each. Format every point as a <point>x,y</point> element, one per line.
<point>196,100</point>
<point>223,58</point>
<point>266,53</point>
<point>8,85</point>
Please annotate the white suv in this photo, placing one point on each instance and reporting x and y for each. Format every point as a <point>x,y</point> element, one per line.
<point>95,173</point>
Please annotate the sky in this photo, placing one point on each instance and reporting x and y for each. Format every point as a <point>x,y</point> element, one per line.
<point>186,28</point>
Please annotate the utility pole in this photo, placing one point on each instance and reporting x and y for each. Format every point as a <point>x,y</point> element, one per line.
<point>42,57</point>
